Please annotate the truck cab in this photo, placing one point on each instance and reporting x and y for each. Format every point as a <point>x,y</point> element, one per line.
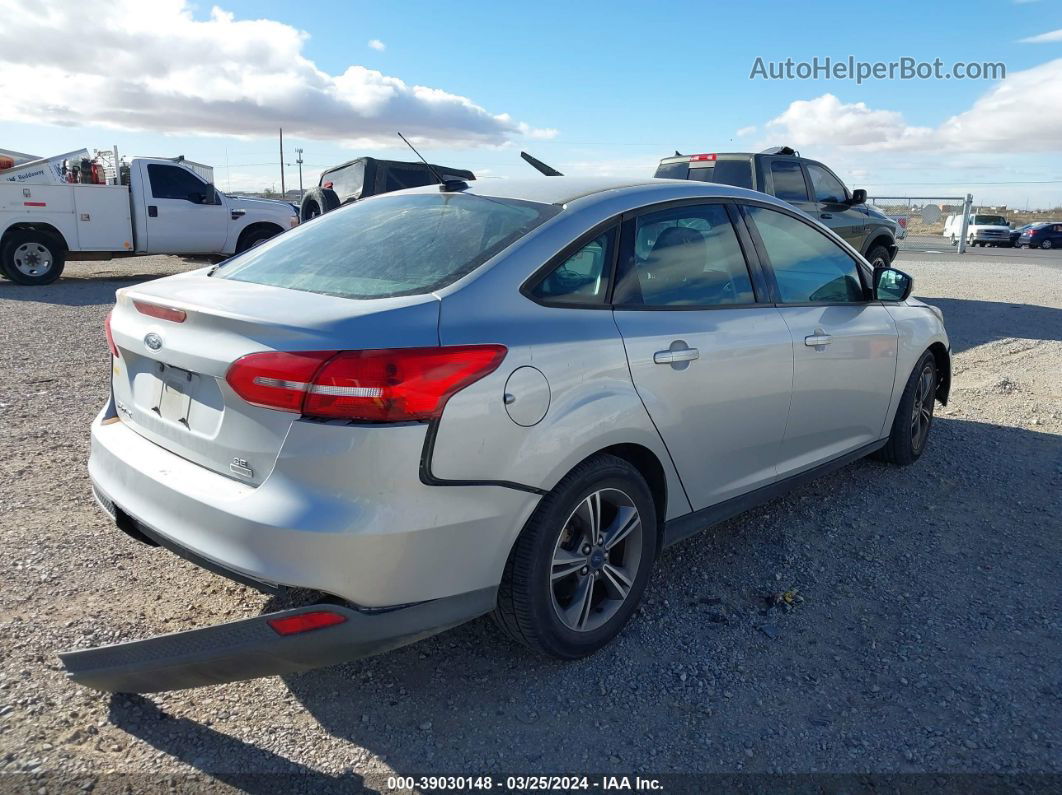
<point>807,184</point>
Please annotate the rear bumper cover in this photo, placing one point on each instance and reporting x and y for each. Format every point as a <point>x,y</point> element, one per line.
<point>251,647</point>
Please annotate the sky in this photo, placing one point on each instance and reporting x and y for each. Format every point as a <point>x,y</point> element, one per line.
<point>590,88</point>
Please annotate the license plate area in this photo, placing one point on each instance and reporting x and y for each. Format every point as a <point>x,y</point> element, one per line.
<point>173,397</point>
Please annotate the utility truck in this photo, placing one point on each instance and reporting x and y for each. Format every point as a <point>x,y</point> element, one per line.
<point>77,206</point>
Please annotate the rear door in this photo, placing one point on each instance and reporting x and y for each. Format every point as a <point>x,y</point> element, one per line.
<point>844,345</point>
<point>184,214</point>
<point>711,362</point>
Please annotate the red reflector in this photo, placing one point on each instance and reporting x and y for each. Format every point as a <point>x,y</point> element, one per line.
<point>388,385</point>
<point>110,337</point>
<point>698,158</point>
<point>327,185</point>
<point>305,622</point>
<point>161,312</point>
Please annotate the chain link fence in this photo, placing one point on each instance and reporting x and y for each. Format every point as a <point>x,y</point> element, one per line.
<point>922,219</point>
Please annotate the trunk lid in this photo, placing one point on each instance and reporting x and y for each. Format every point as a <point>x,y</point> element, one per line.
<point>169,381</point>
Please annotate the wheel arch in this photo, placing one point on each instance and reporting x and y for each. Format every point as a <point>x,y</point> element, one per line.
<point>649,467</point>
<point>36,226</point>
<point>881,238</point>
<point>257,226</point>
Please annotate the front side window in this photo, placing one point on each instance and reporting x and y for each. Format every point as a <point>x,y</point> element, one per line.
<point>583,277</point>
<point>686,256</point>
<point>789,182</point>
<point>827,187</point>
<point>808,266</point>
<point>174,182</point>
<point>403,244</point>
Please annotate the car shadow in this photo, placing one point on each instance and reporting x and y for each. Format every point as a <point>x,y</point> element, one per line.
<point>73,292</point>
<point>684,690</point>
<point>973,323</point>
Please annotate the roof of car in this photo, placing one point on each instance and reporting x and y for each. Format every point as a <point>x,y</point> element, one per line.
<point>562,190</point>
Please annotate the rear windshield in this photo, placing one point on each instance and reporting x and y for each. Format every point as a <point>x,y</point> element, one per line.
<point>672,170</point>
<point>404,244</point>
<point>723,172</point>
<point>990,220</point>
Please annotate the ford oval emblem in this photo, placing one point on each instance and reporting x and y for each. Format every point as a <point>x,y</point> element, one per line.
<point>153,341</point>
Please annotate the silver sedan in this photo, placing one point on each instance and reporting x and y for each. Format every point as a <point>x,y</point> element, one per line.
<point>501,398</point>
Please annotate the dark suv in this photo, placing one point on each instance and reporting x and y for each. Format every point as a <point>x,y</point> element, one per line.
<point>806,184</point>
<point>366,177</point>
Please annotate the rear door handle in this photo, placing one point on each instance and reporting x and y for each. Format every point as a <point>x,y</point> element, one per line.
<point>818,339</point>
<point>671,357</point>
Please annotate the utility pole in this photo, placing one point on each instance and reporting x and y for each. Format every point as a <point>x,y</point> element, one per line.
<point>282,160</point>
<point>299,161</point>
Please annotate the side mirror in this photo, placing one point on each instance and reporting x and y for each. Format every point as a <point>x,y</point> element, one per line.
<point>892,285</point>
<point>859,196</point>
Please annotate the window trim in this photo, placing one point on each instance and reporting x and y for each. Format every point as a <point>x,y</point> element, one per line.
<point>808,190</point>
<point>610,226</point>
<point>756,277</point>
<point>768,268</point>
<point>206,194</point>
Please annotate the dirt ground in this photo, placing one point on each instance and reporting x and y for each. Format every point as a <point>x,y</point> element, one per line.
<point>928,638</point>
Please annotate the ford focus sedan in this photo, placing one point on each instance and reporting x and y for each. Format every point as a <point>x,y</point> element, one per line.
<point>506,398</point>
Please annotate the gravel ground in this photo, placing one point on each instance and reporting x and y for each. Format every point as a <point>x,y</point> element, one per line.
<point>927,639</point>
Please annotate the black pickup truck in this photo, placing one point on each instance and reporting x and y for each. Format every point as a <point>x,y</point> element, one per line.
<point>806,184</point>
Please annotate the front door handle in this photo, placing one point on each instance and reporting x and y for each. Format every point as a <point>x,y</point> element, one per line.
<point>825,215</point>
<point>238,214</point>
<point>153,211</point>
<point>819,339</point>
<point>681,355</point>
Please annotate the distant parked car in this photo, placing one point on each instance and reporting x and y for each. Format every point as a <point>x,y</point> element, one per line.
<point>506,398</point>
<point>806,184</point>
<point>366,177</point>
<point>1045,235</point>
<point>1016,233</point>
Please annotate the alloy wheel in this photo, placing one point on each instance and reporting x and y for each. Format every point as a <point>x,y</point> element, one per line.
<point>596,560</point>
<point>922,410</point>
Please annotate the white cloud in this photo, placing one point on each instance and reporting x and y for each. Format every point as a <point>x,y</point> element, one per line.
<point>377,45</point>
<point>152,66</point>
<point>746,131</point>
<point>1020,114</point>
<point>1043,38</point>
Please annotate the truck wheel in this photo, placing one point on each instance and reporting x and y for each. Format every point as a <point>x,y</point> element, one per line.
<point>878,256</point>
<point>581,564</point>
<point>31,257</point>
<point>317,201</point>
<point>253,237</point>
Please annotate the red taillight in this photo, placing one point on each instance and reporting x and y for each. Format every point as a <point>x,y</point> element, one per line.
<point>390,385</point>
<point>305,622</point>
<point>110,337</point>
<point>161,312</point>
<point>700,158</point>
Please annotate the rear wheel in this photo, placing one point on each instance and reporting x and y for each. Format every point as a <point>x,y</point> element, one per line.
<point>914,415</point>
<point>581,564</point>
<point>32,257</point>
<point>1046,244</point>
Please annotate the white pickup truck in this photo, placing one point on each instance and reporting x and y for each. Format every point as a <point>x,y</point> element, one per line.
<point>76,207</point>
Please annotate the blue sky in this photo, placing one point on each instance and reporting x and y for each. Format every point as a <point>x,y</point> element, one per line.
<point>589,87</point>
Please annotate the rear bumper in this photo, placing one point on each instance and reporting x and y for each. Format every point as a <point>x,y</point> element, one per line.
<point>343,512</point>
<point>252,648</point>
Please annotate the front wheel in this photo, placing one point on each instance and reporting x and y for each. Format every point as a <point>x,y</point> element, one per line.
<point>581,564</point>
<point>31,257</point>
<point>878,257</point>
<point>914,415</point>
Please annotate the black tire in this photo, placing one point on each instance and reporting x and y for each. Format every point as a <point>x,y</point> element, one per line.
<point>32,258</point>
<point>528,607</point>
<point>252,237</point>
<point>317,201</point>
<point>878,256</point>
<point>907,441</point>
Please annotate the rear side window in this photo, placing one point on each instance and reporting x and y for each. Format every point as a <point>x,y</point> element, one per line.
<point>583,277</point>
<point>807,265</point>
<point>397,177</point>
<point>687,256</point>
<point>789,182</point>
<point>407,244</point>
<point>733,172</point>
<point>348,181</point>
